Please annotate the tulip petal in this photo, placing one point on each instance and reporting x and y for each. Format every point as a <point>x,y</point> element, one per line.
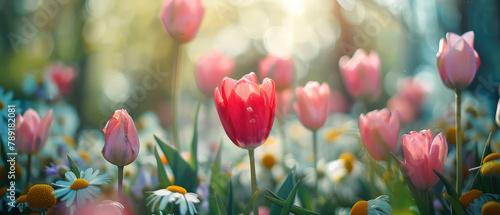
<point>460,64</point>
<point>469,38</point>
<point>220,104</point>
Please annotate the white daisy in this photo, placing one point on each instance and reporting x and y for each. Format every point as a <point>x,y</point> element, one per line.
<point>77,191</point>
<point>174,194</point>
<point>378,206</point>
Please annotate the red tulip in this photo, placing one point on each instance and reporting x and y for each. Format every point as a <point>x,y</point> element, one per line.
<point>246,110</point>
<point>32,133</point>
<point>457,61</point>
<point>211,69</point>
<point>182,18</point>
<point>312,104</point>
<point>422,155</point>
<point>361,75</point>
<point>379,131</point>
<point>63,77</point>
<point>121,140</point>
<point>280,70</point>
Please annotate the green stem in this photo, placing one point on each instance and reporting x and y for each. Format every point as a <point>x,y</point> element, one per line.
<point>283,141</point>
<point>315,157</point>
<point>28,177</point>
<point>254,179</point>
<point>458,105</point>
<point>430,203</point>
<point>120,183</point>
<point>176,83</point>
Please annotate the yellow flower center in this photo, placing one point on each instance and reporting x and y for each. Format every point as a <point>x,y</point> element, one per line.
<point>451,135</point>
<point>349,160</point>
<point>469,197</point>
<point>491,168</point>
<point>360,208</point>
<point>491,208</point>
<point>84,155</point>
<point>19,172</point>
<point>40,196</point>
<point>79,183</point>
<point>22,199</point>
<point>3,191</point>
<point>69,140</point>
<point>1,104</point>
<point>333,134</point>
<point>268,161</point>
<point>491,157</point>
<point>176,189</point>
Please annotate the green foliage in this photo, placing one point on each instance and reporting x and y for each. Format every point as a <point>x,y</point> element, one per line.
<point>162,173</point>
<point>251,203</point>
<point>274,198</point>
<point>194,141</point>
<point>73,167</point>
<point>284,190</point>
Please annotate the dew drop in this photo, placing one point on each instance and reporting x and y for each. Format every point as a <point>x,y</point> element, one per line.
<point>252,121</point>
<point>249,109</point>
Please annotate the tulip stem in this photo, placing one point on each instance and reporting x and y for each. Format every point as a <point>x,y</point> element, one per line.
<point>176,83</point>
<point>427,197</point>
<point>254,180</point>
<point>283,141</point>
<point>28,177</point>
<point>458,125</point>
<point>315,157</point>
<point>120,183</point>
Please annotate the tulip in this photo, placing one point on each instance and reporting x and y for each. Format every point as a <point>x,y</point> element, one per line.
<point>312,104</point>
<point>63,77</point>
<point>182,18</point>
<point>283,103</point>
<point>457,61</point>
<point>279,69</point>
<point>32,133</point>
<point>412,90</point>
<point>379,131</point>
<point>211,69</point>
<point>246,111</point>
<point>406,110</point>
<point>361,75</point>
<point>422,155</point>
<point>497,117</point>
<point>121,145</point>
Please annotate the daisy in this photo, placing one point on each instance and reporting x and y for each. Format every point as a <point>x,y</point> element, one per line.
<point>40,198</point>
<point>77,191</point>
<point>174,194</point>
<point>22,203</point>
<point>379,206</point>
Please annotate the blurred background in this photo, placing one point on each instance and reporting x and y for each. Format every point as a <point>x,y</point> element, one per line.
<point>114,45</point>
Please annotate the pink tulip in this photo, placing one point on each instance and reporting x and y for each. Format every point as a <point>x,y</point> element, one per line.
<point>283,103</point>
<point>32,133</point>
<point>412,90</point>
<point>63,77</point>
<point>182,18</point>
<point>246,109</point>
<point>457,61</point>
<point>422,155</point>
<point>406,110</point>
<point>337,102</point>
<point>121,140</point>
<point>108,207</point>
<point>279,69</point>
<point>211,69</point>
<point>379,131</point>
<point>312,104</point>
<point>361,74</point>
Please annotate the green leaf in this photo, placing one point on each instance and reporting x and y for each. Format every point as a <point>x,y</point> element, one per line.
<point>251,203</point>
<point>479,182</point>
<point>284,190</point>
<point>230,199</point>
<point>457,207</point>
<point>4,154</point>
<point>304,198</point>
<point>416,195</point>
<point>184,175</point>
<point>73,167</point>
<point>289,200</point>
<point>194,141</point>
<point>162,173</point>
<point>449,188</point>
<point>295,209</point>
<point>220,204</point>
<point>218,181</point>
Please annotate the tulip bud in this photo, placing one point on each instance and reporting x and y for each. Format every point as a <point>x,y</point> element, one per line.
<point>457,61</point>
<point>182,18</point>
<point>312,104</point>
<point>280,70</point>
<point>63,77</point>
<point>422,155</point>
<point>32,133</point>
<point>361,75</point>
<point>121,145</point>
<point>246,110</point>
<point>379,132</point>
<point>211,69</point>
